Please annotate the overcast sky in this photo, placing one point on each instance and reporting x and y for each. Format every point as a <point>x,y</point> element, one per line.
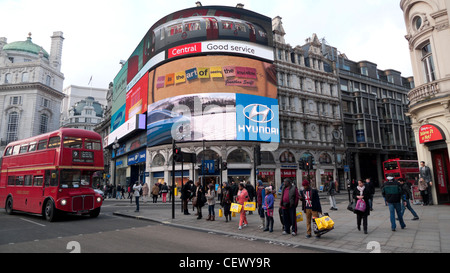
<point>100,33</point>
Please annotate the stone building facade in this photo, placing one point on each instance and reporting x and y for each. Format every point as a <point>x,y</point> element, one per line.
<point>31,84</point>
<point>428,34</point>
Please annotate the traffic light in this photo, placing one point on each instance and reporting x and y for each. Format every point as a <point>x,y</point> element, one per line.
<point>301,164</point>
<point>257,155</point>
<point>224,166</point>
<point>307,165</point>
<point>216,165</point>
<point>177,154</point>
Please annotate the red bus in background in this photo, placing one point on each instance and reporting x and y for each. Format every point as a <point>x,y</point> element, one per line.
<point>53,173</point>
<point>407,169</point>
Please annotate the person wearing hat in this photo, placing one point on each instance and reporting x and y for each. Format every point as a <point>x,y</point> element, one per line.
<point>392,193</point>
<point>310,205</point>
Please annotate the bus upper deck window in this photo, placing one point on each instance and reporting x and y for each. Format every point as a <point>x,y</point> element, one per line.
<point>54,142</point>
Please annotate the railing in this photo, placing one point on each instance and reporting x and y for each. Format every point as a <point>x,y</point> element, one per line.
<point>423,92</point>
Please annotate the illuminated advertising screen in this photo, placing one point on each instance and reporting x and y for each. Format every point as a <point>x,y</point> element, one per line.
<point>213,98</point>
<point>136,101</point>
<point>213,116</point>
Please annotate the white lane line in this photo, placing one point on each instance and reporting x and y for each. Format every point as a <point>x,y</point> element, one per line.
<point>33,222</point>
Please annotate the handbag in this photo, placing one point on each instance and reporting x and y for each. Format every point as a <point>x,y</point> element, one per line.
<point>220,212</point>
<point>360,205</point>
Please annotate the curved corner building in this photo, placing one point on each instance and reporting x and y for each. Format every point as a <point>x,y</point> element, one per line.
<point>204,78</point>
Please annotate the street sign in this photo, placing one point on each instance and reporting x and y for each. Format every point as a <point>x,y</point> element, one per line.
<point>346,168</point>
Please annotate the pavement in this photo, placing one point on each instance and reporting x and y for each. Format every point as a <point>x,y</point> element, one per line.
<point>429,234</point>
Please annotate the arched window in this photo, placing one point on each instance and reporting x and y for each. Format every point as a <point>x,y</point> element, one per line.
<point>158,160</point>
<point>43,125</point>
<point>207,155</point>
<point>13,126</point>
<point>325,159</point>
<point>287,157</point>
<point>238,156</point>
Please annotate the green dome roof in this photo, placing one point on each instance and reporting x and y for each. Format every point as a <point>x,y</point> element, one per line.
<point>26,46</point>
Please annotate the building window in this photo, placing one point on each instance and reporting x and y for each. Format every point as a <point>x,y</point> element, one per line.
<point>8,78</point>
<point>364,71</point>
<point>45,102</point>
<point>428,63</point>
<point>48,80</point>
<point>13,126</point>
<point>43,126</point>
<point>16,100</point>
<point>417,21</point>
<point>25,77</point>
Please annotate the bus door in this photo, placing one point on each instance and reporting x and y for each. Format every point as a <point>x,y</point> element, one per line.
<point>212,28</point>
<point>50,183</point>
<point>36,196</point>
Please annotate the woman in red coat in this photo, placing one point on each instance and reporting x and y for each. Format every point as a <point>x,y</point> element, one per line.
<point>241,198</point>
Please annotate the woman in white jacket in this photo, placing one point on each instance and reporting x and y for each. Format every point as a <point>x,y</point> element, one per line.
<point>210,198</point>
<point>137,188</point>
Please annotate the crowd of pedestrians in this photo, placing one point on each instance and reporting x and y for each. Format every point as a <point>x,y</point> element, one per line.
<point>292,200</point>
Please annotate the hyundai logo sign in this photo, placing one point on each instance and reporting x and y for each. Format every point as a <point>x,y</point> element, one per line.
<point>259,113</point>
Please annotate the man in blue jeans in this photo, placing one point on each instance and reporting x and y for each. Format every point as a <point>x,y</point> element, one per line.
<point>392,193</point>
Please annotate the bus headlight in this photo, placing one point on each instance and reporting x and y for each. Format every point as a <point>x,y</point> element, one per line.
<point>63,202</point>
<point>99,199</point>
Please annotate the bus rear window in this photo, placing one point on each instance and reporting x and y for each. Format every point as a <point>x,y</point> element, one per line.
<point>73,142</point>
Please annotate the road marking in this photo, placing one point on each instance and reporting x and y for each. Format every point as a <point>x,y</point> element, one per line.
<point>33,222</point>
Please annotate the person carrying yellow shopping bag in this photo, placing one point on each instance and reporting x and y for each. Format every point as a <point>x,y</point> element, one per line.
<point>310,205</point>
<point>241,198</point>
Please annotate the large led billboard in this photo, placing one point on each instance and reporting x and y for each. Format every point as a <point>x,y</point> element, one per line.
<point>209,76</point>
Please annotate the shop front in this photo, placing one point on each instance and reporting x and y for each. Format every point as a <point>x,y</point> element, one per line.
<point>434,140</point>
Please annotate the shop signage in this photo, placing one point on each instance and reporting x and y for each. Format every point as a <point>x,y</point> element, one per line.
<point>430,133</point>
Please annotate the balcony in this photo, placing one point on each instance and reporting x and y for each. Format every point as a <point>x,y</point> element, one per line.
<point>423,92</point>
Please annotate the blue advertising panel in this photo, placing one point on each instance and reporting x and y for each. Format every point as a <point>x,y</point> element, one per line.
<point>257,118</point>
<point>137,158</point>
<point>118,118</point>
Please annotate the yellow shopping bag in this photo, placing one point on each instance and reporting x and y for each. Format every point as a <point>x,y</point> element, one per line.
<point>321,224</point>
<point>324,222</point>
<point>235,207</point>
<point>220,213</point>
<point>233,214</point>
<point>329,223</point>
<point>299,216</point>
<point>250,206</point>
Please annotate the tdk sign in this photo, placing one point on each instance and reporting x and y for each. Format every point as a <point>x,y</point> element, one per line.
<point>257,118</point>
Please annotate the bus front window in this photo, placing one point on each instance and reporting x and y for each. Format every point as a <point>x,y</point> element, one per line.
<point>75,179</point>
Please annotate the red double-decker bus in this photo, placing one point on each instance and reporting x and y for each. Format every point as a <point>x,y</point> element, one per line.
<point>407,169</point>
<point>52,174</point>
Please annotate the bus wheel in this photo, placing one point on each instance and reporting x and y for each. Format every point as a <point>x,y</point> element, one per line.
<point>94,213</point>
<point>9,206</point>
<point>50,212</point>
